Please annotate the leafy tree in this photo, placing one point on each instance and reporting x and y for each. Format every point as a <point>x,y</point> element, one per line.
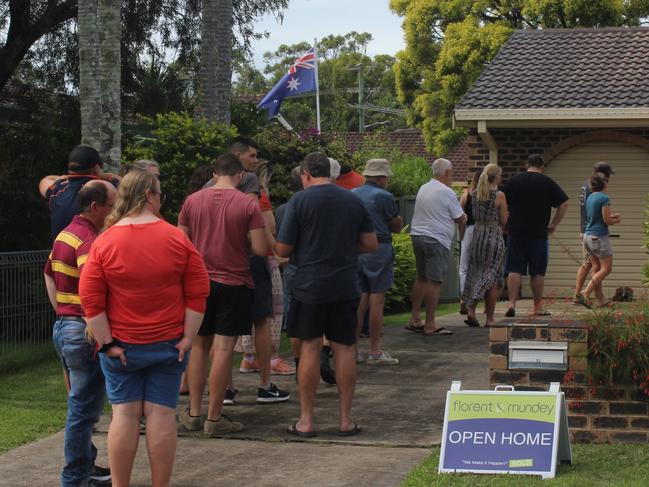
<point>448,43</point>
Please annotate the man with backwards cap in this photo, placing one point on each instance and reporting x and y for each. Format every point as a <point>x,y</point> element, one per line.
<point>585,191</point>
<point>84,164</point>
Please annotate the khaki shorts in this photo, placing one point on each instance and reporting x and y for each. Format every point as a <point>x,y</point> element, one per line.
<point>599,247</point>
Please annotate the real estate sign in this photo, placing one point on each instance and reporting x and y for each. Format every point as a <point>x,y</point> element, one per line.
<point>504,431</point>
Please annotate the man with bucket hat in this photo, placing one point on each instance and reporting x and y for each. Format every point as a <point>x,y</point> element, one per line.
<point>375,269</point>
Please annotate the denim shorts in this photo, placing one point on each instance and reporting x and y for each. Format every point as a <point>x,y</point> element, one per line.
<point>375,270</point>
<point>152,373</point>
<point>599,246</point>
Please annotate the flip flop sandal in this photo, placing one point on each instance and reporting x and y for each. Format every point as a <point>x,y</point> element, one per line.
<point>440,331</point>
<point>292,430</point>
<point>414,328</point>
<point>472,322</point>
<point>354,431</point>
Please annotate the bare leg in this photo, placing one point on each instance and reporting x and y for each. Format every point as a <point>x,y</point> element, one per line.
<point>295,347</point>
<point>431,295</point>
<point>160,442</point>
<point>308,378</point>
<point>582,274</point>
<point>123,438</point>
<point>220,372</point>
<point>536,283</point>
<point>605,267</point>
<point>376,321</point>
<point>416,299</point>
<point>197,372</point>
<point>345,381</point>
<point>66,380</point>
<point>490,305</point>
<point>513,285</point>
<point>363,304</point>
<point>264,347</point>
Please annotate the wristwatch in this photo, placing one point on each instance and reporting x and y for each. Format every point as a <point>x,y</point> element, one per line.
<point>107,346</point>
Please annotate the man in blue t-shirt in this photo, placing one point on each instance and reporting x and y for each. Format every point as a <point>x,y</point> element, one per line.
<point>375,269</point>
<point>324,229</point>
<point>84,164</point>
<point>585,191</point>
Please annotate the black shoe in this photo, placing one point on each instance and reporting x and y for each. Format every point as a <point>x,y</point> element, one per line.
<point>510,313</point>
<point>99,477</point>
<point>273,394</point>
<point>326,372</point>
<point>228,400</point>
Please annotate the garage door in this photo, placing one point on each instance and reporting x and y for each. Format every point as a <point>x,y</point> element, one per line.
<point>628,192</point>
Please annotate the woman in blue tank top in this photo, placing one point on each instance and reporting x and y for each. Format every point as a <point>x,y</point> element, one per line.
<point>596,238</point>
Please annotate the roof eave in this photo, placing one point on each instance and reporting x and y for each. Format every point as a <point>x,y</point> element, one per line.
<point>554,117</point>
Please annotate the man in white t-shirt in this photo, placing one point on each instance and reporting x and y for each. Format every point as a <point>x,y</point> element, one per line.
<point>437,210</point>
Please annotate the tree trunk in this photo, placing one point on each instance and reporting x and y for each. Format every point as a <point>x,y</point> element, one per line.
<point>110,36</point>
<point>89,75</point>
<point>216,59</point>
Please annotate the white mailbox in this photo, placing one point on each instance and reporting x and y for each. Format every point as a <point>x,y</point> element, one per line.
<point>530,354</point>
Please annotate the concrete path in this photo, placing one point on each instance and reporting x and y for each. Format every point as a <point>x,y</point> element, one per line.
<point>399,408</point>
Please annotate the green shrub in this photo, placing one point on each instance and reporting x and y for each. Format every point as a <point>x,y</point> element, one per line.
<point>398,298</point>
<point>179,143</point>
<point>618,345</point>
<point>285,150</point>
<point>408,175</point>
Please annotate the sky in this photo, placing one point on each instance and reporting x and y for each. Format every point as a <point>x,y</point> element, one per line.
<point>305,20</point>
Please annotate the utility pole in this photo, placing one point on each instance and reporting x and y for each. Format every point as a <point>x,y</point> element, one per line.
<point>361,96</point>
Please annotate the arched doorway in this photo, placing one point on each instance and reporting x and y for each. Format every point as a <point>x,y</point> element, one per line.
<point>628,191</point>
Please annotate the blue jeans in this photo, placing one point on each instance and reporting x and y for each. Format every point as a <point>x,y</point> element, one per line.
<point>85,400</point>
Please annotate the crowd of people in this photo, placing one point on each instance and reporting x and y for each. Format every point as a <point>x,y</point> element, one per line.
<point>147,311</point>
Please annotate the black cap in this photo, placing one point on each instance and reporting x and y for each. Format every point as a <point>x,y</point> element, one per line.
<point>83,158</point>
<point>604,167</point>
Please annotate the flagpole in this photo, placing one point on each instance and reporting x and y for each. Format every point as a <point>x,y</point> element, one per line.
<point>317,85</point>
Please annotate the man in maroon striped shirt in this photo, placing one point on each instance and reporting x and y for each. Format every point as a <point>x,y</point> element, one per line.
<point>87,390</point>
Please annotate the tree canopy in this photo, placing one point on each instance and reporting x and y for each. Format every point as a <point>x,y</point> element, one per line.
<point>448,43</point>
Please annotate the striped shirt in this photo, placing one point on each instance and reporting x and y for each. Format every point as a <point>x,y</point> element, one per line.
<point>69,254</point>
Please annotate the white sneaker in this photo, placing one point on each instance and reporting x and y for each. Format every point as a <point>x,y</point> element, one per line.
<point>383,358</point>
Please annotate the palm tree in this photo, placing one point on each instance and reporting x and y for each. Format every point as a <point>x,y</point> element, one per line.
<point>89,74</point>
<point>216,59</point>
<point>110,36</point>
<point>99,25</point>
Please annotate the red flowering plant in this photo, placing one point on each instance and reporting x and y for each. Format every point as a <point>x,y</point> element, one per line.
<point>618,344</point>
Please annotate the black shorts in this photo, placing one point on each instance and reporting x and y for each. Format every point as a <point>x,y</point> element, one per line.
<point>228,311</point>
<point>336,321</point>
<point>263,301</point>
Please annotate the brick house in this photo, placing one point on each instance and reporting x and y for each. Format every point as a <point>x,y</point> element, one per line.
<point>577,96</point>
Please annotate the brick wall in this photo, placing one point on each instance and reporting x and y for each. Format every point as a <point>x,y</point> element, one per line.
<point>514,145</point>
<point>595,414</point>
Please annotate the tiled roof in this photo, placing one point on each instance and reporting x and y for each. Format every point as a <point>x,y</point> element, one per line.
<point>566,68</point>
<point>411,142</point>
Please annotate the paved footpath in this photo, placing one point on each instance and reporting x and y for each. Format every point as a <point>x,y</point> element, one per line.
<point>399,408</point>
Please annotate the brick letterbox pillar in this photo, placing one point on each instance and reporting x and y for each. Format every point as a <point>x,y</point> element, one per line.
<point>595,414</point>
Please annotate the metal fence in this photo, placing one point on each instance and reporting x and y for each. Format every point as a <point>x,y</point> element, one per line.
<point>26,315</point>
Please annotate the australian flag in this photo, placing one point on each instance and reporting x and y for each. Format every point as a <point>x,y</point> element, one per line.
<point>301,78</point>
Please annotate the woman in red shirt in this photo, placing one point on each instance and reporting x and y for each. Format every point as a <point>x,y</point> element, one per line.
<point>143,291</point>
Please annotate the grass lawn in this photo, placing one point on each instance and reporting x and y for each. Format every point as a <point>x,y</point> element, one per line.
<point>32,400</point>
<point>593,465</point>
